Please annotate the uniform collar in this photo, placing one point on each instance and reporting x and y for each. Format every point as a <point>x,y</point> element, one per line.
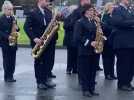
<point>89,19</point>
<point>8,16</point>
<point>41,9</point>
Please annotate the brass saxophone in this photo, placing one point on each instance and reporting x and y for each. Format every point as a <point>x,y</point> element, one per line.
<point>14,34</point>
<point>100,38</point>
<point>46,37</point>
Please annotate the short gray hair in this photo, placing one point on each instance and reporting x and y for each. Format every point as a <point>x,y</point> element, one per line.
<point>6,4</point>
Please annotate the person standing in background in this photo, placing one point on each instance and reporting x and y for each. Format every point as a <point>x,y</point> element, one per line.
<point>123,43</point>
<point>108,54</point>
<point>69,23</point>
<point>71,57</point>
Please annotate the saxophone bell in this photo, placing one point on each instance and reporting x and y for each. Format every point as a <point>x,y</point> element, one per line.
<point>13,38</point>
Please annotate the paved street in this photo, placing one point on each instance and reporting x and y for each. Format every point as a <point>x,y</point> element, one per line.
<point>67,86</point>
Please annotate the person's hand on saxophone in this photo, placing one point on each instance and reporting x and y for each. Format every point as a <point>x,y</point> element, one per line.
<point>12,39</point>
<point>38,41</point>
<point>93,44</point>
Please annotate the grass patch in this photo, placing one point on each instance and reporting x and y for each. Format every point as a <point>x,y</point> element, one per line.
<point>60,35</point>
<point>23,39</point>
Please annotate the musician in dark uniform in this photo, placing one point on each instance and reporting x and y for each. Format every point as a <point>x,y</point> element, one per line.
<point>8,51</point>
<point>123,42</point>
<point>69,23</point>
<point>84,36</point>
<point>108,54</point>
<point>35,25</point>
<point>71,50</point>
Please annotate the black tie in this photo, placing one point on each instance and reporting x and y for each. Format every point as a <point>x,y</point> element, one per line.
<point>9,19</point>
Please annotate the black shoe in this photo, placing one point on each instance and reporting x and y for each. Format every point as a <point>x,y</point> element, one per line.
<point>94,93</point>
<point>132,87</point>
<point>108,77</point>
<point>10,80</point>
<point>125,88</point>
<point>87,94</point>
<point>98,68</point>
<point>42,86</point>
<point>74,72</point>
<point>114,77</point>
<point>52,76</point>
<point>68,72</point>
<point>50,84</point>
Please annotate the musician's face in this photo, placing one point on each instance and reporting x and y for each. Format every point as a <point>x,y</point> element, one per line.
<point>83,2</point>
<point>111,7</point>
<point>90,13</point>
<point>44,3</point>
<point>8,11</point>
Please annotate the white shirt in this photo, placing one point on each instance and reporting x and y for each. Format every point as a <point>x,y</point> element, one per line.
<point>8,16</point>
<point>42,11</point>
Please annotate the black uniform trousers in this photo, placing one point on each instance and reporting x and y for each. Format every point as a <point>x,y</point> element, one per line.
<point>9,61</point>
<point>71,58</point>
<point>52,58</point>
<point>44,64</point>
<point>87,71</point>
<point>108,56</point>
<point>125,66</point>
<point>97,61</point>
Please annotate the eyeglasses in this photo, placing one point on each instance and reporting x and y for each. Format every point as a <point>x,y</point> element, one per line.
<point>10,9</point>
